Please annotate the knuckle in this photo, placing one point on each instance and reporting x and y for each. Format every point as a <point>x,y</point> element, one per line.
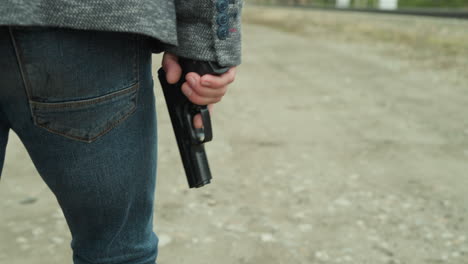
<point>216,84</point>
<point>197,89</point>
<point>223,91</point>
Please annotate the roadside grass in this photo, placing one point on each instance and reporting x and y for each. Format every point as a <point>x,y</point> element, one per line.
<point>438,42</point>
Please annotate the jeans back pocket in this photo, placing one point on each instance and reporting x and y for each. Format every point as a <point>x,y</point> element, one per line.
<point>80,83</point>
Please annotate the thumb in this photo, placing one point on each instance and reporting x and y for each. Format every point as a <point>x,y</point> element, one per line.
<point>170,64</point>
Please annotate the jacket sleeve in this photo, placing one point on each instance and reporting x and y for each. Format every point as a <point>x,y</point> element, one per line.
<point>209,30</point>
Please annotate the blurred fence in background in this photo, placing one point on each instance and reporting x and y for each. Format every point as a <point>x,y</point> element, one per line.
<point>373,4</point>
<point>437,8</point>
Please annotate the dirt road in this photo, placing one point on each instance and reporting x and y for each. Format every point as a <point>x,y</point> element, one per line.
<point>336,144</point>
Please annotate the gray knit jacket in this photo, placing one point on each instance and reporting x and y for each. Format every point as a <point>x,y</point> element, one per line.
<point>208,30</point>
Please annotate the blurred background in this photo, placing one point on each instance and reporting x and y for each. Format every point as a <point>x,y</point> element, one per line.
<point>343,140</point>
<point>378,4</point>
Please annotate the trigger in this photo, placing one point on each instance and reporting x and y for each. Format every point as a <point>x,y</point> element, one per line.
<point>206,120</point>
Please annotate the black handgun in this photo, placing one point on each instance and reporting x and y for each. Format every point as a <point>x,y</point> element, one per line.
<point>181,110</point>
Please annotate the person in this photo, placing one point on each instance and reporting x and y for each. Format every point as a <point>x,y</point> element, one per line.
<point>76,87</point>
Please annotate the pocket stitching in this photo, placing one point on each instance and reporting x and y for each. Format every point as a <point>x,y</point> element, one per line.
<point>89,140</point>
<point>133,88</point>
<point>107,129</point>
<point>77,103</point>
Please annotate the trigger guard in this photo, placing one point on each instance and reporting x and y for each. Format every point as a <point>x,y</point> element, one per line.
<point>199,135</point>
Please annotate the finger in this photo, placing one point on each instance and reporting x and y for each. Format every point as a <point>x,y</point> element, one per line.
<point>214,81</point>
<point>170,64</point>
<point>197,99</point>
<point>198,121</point>
<point>210,108</point>
<point>209,92</point>
<point>193,80</point>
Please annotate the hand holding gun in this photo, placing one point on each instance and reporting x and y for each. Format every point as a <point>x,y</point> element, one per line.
<point>189,139</point>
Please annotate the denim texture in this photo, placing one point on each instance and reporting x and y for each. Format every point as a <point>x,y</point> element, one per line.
<point>82,103</point>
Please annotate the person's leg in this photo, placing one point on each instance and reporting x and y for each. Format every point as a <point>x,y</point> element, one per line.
<point>88,122</point>
<point>4,130</point>
<point>8,77</point>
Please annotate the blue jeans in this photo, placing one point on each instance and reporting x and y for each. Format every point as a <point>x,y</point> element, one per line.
<point>82,103</point>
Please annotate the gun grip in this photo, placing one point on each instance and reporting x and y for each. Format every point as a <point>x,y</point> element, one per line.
<point>204,134</point>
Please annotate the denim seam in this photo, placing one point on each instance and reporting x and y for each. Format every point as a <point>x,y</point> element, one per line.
<point>137,61</point>
<point>77,103</point>
<point>95,137</point>
<point>19,60</point>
